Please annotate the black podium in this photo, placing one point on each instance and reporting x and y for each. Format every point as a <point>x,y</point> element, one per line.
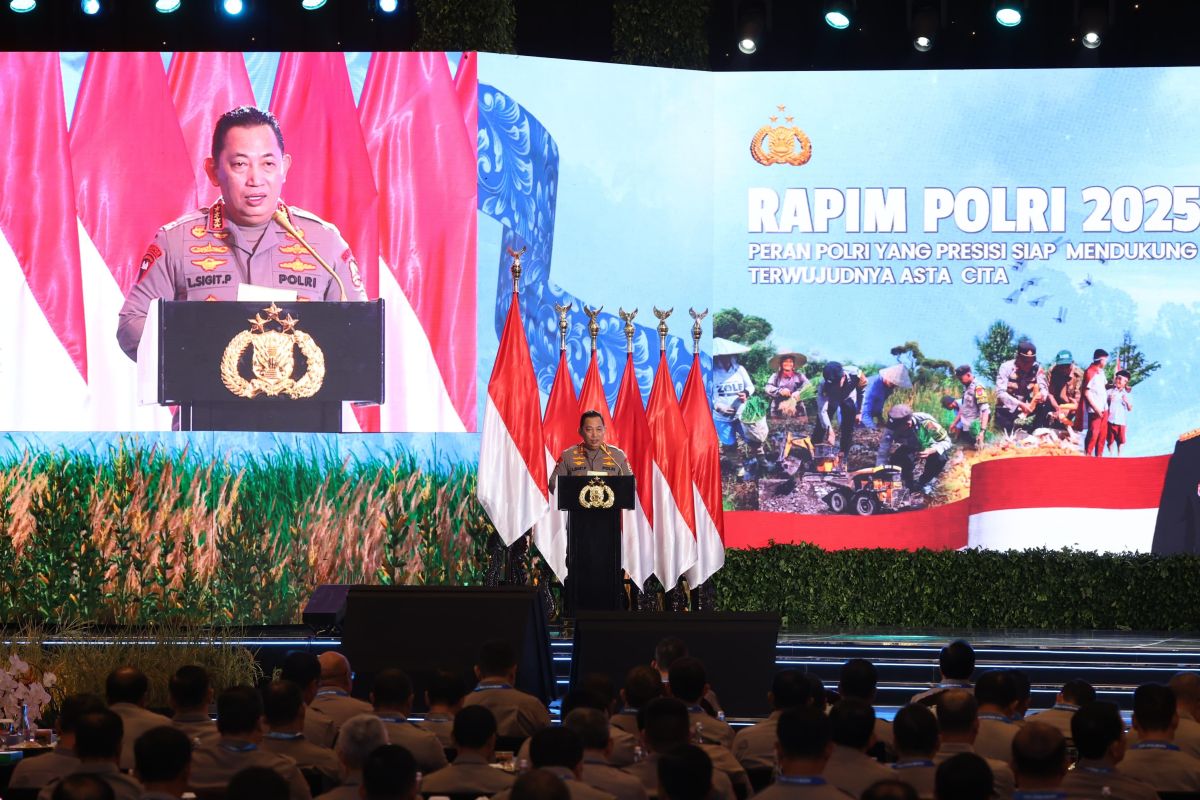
<point>594,504</point>
<point>263,366</point>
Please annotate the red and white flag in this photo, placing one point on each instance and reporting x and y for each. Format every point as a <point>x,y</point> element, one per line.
<point>591,394</point>
<point>560,428</point>
<point>674,506</point>
<point>631,433</point>
<point>705,450</point>
<point>512,451</point>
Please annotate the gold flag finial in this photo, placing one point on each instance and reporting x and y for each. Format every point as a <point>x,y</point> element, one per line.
<point>697,332</point>
<point>515,269</point>
<point>629,329</point>
<point>562,324</point>
<point>593,326</point>
<point>662,326</point>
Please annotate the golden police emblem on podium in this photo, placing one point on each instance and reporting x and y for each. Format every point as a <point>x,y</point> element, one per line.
<point>273,361</point>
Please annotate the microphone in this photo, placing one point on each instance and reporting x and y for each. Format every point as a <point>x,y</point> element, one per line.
<point>280,216</point>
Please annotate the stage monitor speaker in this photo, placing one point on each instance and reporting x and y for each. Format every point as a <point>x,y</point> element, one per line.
<point>422,628</point>
<point>738,650</point>
<point>326,607</point>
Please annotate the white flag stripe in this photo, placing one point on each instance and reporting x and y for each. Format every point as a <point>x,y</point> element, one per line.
<point>550,532</point>
<point>1104,530</point>
<point>710,550</point>
<point>637,542</point>
<point>674,545</point>
<point>506,487</point>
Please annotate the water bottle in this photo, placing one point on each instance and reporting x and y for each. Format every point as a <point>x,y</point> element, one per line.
<point>522,766</point>
<point>721,715</point>
<point>698,737</point>
<point>639,755</point>
<point>24,731</point>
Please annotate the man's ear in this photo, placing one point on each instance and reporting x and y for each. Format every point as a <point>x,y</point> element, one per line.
<point>210,169</point>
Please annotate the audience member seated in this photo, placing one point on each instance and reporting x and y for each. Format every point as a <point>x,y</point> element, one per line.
<point>333,695</point>
<point>98,736</point>
<point>956,665</point>
<point>623,749</point>
<point>475,739</point>
<point>1024,696</point>
<point>34,773</point>
<point>126,689</point>
<point>958,726</point>
<point>163,760</point>
<point>666,653</point>
<point>191,695</point>
<point>1039,761</point>
<point>518,715</point>
<point>304,670</point>
<point>917,742</point>
<point>239,720</point>
<point>684,773</point>
<point>754,747</point>
<point>1186,686</point>
<point>1099,736</point>
<point>284,712</point>
<point>444,698</point>
<point>802,751</point>
<point>965,776</point>
<point>538,784</point>
<point>594,732</point>
<point>560,751</point>
<point>852,729</point>
<point>1156,759</point>
<point>859,680</point>
<point>664,722</point>
<point>82,786</point>
<point>392,698</point>
<point>358,738</point>
<point>890,790</point>
<point>996,692</point>
<point>390,773</point>
<point>689,683</point>
<point>1074,693</point>
<point>642,684</point>
<point>257,783</point>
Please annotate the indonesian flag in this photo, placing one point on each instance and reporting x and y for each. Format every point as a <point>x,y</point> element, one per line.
<point>512,451</point>
<point>559,427</point>
<point>631,433</point>
<point>674,509</point>
<point>705,452</point>
<point>591,394</point>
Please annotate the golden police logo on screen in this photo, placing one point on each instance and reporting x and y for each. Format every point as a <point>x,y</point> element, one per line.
<point>274,359</point>
<point>781,144</point>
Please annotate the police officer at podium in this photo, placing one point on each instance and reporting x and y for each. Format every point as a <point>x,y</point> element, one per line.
<point>591,456</point>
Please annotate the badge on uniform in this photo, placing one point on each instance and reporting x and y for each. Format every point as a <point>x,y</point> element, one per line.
<point>153,253</point>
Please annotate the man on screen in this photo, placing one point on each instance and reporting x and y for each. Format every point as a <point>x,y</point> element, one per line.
<point>591,456</point>
<point>209,253</point>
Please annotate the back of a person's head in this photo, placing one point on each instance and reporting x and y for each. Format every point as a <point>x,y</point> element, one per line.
<point>82,786</point>
<point>473,727</point>
<point>915,730</point>
<point>1186,686</point>
<point>446,687</point>
<point>684,773</point>
<point>890,789</point>
<point>98,735</point>
<point>851,723</point>
<point>389,773</point>
<point>282,701</point>
<point>996,687</point>
<point>599,684</point>
<point>556,747</point>
<point>239,710</point>
<point>964,776</point>
<point>790,689</point>
<point>75,706</point>
<point>126,684</point>
<point>358,737</point>
<point>664,722</point>
<point>162,754</point>
<point>1153,707</point>
<point>591,725</point>
<point>858,679</point>
<point>642,684</point>
<point>581,698</point>
<point>496,658</point>
<point>391,688</point>
<point>257,783</point>
<point>1039,750</point>
<point>957,660</point>
<point>188,687</point>
<point>1078,692</point>
<point>957,710</point>
<point>1095,727</point>
<point>301,668</point>
<point>816,691</point>
<point>687,679</point>
<point>803,733</point>
<point>539,784</point>
<point>669,650</point>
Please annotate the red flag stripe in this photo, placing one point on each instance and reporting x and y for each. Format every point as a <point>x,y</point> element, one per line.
<point>670,435</point>
<point>513,389</point>
<point>561,421</point>
<point>1067,482</point>
<point>703,444</point>
<point>631,433</point>
<point>591,394</point>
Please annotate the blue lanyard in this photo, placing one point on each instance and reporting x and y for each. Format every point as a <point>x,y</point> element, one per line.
<point>801,780</point>
<point>484,687</point>
<point>239,748</point>
<point>996,718</point>
<point>1096,770</point>
<point>333,692</point>
<point>1019,795</point>
<point>1066,707</point>
<point>1155,746</point>
<point>396,720</point>
<point>285,737</point>
<point>912,764</point>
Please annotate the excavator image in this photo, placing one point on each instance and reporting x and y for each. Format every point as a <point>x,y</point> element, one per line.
<point>863,492</point>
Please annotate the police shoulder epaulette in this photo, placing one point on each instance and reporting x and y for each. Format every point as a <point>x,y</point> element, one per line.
<point>191,216</point>
<point>616,450</point>
<point>1192,434</point>
<point>300,212</point>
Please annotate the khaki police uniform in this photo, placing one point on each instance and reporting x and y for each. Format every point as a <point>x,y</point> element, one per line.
<point>625,720</point>
<point>711,730</point>
<point>1163,765</point>
<point>995,737</point>
<point>517,713</point>
<point>754,747</point>
<point>124,787</point>
<point>306,754</point>
<point>622,753</point>
<point>1096,778</point>
<point>578,460</point>
<point>339,706</point>
<point>350,788</point>
<point>577,789</point>
<point>204,256</point>
<point>802,787</point>
<point>34,773</point>
<point>198,726</point>
<point>1004,783</point>
<point>1057,717</point>
<point>136,720</point>
<point>929,696</point>
<point>646,771</point>
<point>468,773</point>
<point>215,764</point>
<point>599,774</point>
<point>441,726</point>
<point>423,745</point>
<point>853,771</point>
<point>319,727</point>
<point>918,773</point>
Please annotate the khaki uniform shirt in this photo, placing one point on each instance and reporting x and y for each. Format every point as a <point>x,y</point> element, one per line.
<point>319,727</point>
<point>214,765</point>
<point>601,775</point>
<point>788,787</point>
<point>1058,717</point>
<point>441,726</point>
<point>712,730</point>
<point>578,790</point>
<point>1162,765</point>
<point>647,772</point>
<point>1092,778</point>
<point>199,727</point>
<point>468,773</point>
<point>1004,783</point>
<point>622,754</point>
<point>928,696</point>
<point>306,754</point>
<point>995,737</point>
<point>517,713</point>
<point>136,721</point>
<point>202,256</point>
<point>34,773</point>
<point>424,746</point>
<point>339,706</point>
<point>853,771</point>
<point>917,773</point>
<point>754,747</point>
<point>578,460</point>
<point>626,721</point>
<point>349,790</point>
<point>124,787</point>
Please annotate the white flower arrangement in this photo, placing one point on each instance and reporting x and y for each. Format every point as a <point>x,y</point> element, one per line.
<point>20,684</point>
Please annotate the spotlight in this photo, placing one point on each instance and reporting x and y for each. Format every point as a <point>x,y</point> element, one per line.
<point>166,6</point>
<point>925,20</point>
<point>311,5</point>
<point>89,7</point>
<point>747,45</point>
<point>22,6</point>
<point>1093,18</point>
<point>752,18</point>
<point>1009,13</point>
<point>389,6</point>
<point>233,7</point>
<point>839,14</point>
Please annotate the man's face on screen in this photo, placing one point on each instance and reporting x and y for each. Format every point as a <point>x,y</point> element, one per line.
<point>250,169</point>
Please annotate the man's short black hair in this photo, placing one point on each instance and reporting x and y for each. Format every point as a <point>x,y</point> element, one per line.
<point>257,783</point>
<point>581,698</point>
<point>684,772</point>
<point>890,789</point>
<point>1095,727</point>
<point>162,754</point>
<point>599,684</point>
<point>496,657</point>
<point>816,691</point>
<point>556,747</point>
<point>126,684</point>
<point>473,726</point>
<point>790,689</point>
<point>858,678</point>
<point>963,369</point>
<point>957,660</point>
<point>74,707</point>
<point>803,732</point>
<point>189,686</point>
<point>282,701</point>
<point>391,688</point>
<point>996,687</point>
<point>591,725</point>
<point>389,772</point>
<point>82,786</point>
<point>1078,692</point>
<point>239,709</point>
<point>965,776</point>
<point>539,784</point>
<point>642,684</point>
<point>1153,707</point>
<point>851,722</point>
<point>1038,750</point>
<point>446,687</point>
<point>957,710</point>
<point>687,679</point>
<point>589,414</point>
<point>665,722</point>
<point>915,730</point>
<point>301,668</point>
<point>98,735</point>
<point>244,117</point>
<point>1021,683</point>
<point>668,649</point>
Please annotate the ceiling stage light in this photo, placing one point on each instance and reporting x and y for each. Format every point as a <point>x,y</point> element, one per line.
<point>89,7</point>
<point>166,6</point>
<point>233,7</point>
<point>747,45</point>
<point>311,5</point>
<point>1009,16</point>
<point>389,6</point>
<point>839,14</point>
<point>925,21</point>
<point>22,6</point>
